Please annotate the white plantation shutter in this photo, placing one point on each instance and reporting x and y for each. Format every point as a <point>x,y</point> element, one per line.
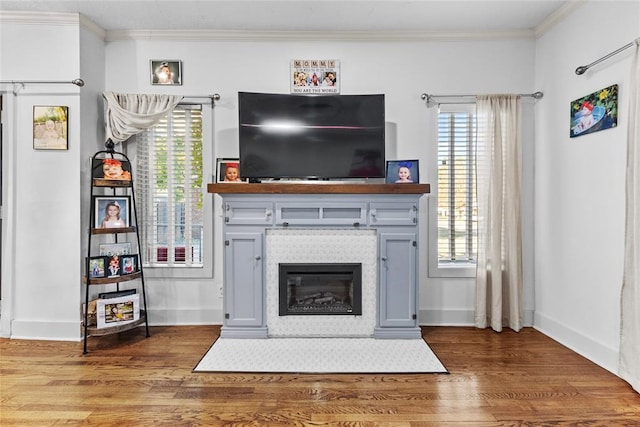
<point>457,208</point>
<point>169,190</point>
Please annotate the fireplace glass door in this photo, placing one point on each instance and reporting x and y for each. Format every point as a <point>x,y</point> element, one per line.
<point>317,288</point>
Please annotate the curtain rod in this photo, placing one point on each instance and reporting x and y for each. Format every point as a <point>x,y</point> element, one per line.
<point>430,98</point>
<point>77,82</point>
<point>583,68</point>
<point>215,97</point>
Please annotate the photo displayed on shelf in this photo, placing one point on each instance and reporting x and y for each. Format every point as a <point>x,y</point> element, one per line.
<point>402,172</point>
<point>108,249</point>
<point>118,311</point>
<point>111,211</point>
<point>116,294</point>
<point>228,170</point>
<point>128,264</point>
<point>112,169</point>
<point>97,267</point>
<point>113,266</point>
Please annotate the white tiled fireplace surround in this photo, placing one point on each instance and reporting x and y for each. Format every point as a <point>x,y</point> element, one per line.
<point>321,246</point>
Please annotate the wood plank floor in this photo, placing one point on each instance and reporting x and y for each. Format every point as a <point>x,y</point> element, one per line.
<point>507,379</point>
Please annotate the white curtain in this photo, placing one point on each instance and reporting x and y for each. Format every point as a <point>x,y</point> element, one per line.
<point>630,298</point>
<point>129,114</point>
<point>499,278</point>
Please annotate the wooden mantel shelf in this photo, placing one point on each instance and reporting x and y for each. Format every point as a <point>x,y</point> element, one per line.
<point>316,188</point>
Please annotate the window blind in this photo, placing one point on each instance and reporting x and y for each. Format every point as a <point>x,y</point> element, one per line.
<point>169,186</point>
<point>457,208</point>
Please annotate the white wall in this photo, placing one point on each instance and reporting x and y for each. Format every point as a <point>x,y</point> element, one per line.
<point>41,206</point>
<point>402,70</point>
<point>579,195</point>
<point>579,182</point>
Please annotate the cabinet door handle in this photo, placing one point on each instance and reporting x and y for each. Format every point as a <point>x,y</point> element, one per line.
<point>258,258</point>
<point>384,258</point>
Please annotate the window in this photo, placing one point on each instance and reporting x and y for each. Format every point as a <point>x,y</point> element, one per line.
<point>170,193</point>
<point>456,187</point>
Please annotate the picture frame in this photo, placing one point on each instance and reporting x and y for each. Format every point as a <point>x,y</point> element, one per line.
<point>113,266</point>
<point>315,76</point>
<point>116,294</point>
<point>221,169</point>
<point>594,112</point>
<point>120,216</point>
<point>111,169</point>
<point>117,311</point>
<point>109,249</point>
<point>166,72</point>
<point>96,267</point>
<point>128,264</point>
<point>50,127</point>
<point>393,172</point>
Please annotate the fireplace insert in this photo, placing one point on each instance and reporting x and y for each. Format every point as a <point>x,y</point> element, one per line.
<point>319,288</point>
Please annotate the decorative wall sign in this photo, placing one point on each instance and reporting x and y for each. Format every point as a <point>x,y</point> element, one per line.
<point>594,112</point>
<point>315,76</point>
<point>166,72</point>
<point>50,127</point>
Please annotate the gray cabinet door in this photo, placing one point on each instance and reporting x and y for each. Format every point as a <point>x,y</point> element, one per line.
<point>397,297</point>
<point>243,273</point>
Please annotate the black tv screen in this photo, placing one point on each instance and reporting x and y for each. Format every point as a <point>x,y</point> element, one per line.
<point>311,136</point>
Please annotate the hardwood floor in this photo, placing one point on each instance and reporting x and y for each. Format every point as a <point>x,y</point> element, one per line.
<point>507,379</point>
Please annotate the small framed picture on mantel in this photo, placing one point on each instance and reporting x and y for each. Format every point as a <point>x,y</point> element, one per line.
<point>402,172</point>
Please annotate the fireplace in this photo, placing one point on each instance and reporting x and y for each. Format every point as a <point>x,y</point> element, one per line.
<point>320,288</point>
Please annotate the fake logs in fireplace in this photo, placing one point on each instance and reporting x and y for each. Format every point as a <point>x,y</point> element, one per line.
<point>317,288</point>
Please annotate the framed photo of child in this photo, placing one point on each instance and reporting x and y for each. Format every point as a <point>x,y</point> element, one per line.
<point>228,170</point>
<point>166,72</point>
<point>111,211</point>
<point>402,172</point>
<point>111,169</point>
<point>50,129</point>
<point>96,267</point>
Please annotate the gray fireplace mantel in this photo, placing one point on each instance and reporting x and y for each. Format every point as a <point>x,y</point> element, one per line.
<point>249,210</point>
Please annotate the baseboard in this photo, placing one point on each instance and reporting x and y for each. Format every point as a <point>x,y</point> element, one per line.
<point>46,330</point>
<point>177,317</point>
<point>461,317</point>
<point>602,355</point>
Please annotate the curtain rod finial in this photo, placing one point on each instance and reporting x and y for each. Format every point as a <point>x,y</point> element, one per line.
<point>78,82</point>
<point>581,70</point>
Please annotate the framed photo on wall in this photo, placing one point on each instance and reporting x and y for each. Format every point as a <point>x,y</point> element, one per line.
<point>50,127</point>
<point>228,170</point>
<point>111,211</point>
<point>166,72</point>
<point>402,172</point>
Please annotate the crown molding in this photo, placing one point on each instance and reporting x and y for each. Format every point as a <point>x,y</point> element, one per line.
<point>39,18</point>
<point>562,12</point>
<point>50,18</point>
<point>93,27</point>
<point>205,35</point>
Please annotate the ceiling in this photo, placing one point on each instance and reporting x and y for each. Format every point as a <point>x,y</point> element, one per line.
<point>449,16</point>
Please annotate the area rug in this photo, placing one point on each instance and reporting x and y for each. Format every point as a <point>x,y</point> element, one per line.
<point>320,355</point>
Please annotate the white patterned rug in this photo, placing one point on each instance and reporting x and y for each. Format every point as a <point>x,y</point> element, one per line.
<point>320,355</point>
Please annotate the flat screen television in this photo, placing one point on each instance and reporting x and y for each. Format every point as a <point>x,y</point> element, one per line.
<point>311,136</point>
